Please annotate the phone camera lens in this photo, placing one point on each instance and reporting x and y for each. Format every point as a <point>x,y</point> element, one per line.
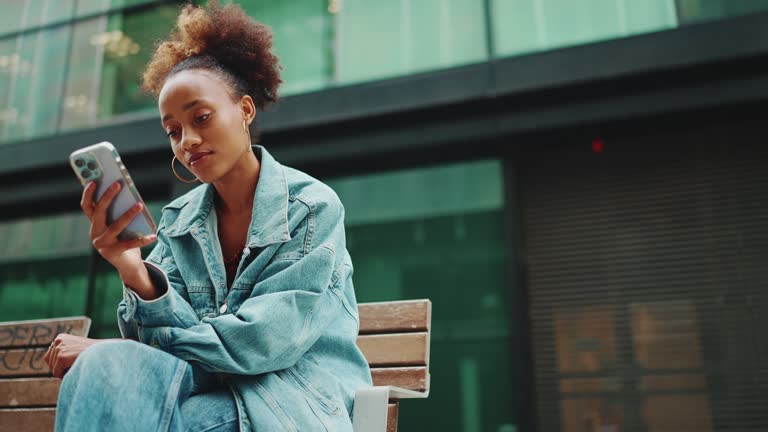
<point>85,173</point>
<point>92,165</point>
<point>79,163</point>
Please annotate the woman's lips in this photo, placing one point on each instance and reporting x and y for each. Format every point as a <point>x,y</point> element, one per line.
<point>197,159</point>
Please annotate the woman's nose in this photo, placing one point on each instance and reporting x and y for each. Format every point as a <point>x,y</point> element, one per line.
<point>189,139</point>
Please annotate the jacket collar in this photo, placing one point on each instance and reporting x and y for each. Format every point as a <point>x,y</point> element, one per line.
<point>269,220</point>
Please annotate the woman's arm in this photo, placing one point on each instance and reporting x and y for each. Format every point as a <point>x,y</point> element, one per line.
<point>292,304</point>
<point>169,309</point>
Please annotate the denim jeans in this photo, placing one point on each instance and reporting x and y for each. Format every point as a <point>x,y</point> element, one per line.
<point>129,386</point>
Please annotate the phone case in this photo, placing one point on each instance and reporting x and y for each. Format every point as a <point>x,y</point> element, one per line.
<point>101,163</point>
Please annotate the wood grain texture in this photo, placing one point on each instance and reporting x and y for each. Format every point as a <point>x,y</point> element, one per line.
<point>41,332</point>
<point>410,378</point>
<point>23,362</point>
<point>29,392</point>
<point>395,317</point>
<point>27,419</point>
<point>392,417</point>
<point>399,349</point>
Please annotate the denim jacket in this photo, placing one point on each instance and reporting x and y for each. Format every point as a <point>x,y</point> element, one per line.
<point>285,343</point>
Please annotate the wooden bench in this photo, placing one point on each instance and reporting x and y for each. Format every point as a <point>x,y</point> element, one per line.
<point>394,336</point>
<point>28,393</point>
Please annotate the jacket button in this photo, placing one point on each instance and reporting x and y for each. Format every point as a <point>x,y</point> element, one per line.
<point>223,308</point>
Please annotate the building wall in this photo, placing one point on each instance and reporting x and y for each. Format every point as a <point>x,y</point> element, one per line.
<point>431,193</point>
<point>647,280</point>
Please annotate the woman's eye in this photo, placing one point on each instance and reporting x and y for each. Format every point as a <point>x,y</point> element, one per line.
<point>203,118</point>
<point>171,134</point>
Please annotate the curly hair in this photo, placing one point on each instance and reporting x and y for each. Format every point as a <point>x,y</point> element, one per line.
<point>225,41</point>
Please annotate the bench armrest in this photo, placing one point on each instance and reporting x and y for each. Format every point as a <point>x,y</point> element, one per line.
<point>371,403</point>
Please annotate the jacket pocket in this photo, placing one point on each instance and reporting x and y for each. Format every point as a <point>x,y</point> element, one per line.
<point>276,409</point>
<point>326,402</point>
<point>202,299</point>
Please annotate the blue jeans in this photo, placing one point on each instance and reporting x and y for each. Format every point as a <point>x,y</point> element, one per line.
<point>129,386</point>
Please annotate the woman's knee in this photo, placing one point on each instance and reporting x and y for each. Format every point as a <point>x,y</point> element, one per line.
<point>111,356</point>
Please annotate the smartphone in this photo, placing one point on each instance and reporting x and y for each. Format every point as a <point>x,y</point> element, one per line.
<point>101,163</point>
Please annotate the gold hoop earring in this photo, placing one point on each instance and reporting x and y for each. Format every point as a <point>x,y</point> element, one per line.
<point>173,168</point>
<point>247,133</point>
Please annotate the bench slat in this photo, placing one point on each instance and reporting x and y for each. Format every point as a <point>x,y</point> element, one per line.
<point>400,349</point>
<point>395,317</point>
<point>41,332</point>
<point>23,362</point>
<point>29,392</point>
<point>410,378</point>
<point>44,419</point>
<point>27,419</point>
<point>392,417</point>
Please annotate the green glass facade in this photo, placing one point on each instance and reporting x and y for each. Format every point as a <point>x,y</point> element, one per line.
<point>72,64</point>
<point>409,239</point>
<point>434,232</point>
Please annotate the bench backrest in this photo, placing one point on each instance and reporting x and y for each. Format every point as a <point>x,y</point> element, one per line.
<point>394,337</point>
<point>28,393</point>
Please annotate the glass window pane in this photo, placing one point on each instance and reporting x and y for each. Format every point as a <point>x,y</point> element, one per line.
<point>36,84</point>
<point>378,39</point>
<point>82,86</point>
<point>13,17</point>
<point>27,14</point>
<point>522,26</point>
<point>692,11</point>
<point>56,11</point>
<point>44,267</point>
<point>43,289</point>
<point>127,46</point>
<point>9,58</point>
<point>87,7</point>
<point>434,233</point>
<point>302,31</point>
<point>46,95</point>
<point>21,81</point>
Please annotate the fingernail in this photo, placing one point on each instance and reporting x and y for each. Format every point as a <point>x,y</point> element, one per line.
<point>137,207</point>
<point>151,237</point>
<point>116,185</point>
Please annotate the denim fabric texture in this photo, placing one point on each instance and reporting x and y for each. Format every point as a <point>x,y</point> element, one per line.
<point>285,343</point>
<point>126,386</point>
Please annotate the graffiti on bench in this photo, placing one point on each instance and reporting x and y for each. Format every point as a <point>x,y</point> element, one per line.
<point>23,345</point>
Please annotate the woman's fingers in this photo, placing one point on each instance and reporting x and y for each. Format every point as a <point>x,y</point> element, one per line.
<point>99,219</point>
<point>51,353</point>
<point>61,364</point>
<point>53,358</point>
<point>108,239</point>
<point>48,356</point>
<point>123,221</point>
<point>86,202</point>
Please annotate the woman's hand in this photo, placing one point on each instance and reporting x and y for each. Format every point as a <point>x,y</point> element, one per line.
<point>125,256</point>
<point>63,352</point>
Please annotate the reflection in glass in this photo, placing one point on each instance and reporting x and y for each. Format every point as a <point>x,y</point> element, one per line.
<point>127,45</point>
<point>44,267</point>
<point>524,26</point>
<point>302,40</point>
<point>693,11</point>
<point>382,39</point>
<point>34,70</point>
<point>79,107</point>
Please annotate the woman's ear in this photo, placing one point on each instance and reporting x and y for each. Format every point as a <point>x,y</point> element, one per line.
<point>248,108</point>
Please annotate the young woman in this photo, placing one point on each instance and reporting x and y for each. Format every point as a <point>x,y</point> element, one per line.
<point>243,316</point>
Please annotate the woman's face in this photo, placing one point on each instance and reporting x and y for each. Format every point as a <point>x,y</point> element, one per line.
<point>204,125</point>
